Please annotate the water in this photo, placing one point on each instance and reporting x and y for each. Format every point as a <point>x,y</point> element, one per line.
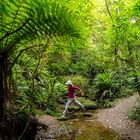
<point>85,128</point>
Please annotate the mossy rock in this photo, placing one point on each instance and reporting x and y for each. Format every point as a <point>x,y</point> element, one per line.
<point>74,108</point>
<point>68,117</point>
<point>87,114</point>
<point>88,104</point>
<point>62,119</point>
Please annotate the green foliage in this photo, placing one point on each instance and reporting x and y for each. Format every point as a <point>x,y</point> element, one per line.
<point>135,112</point>
<point>114,84</point>
<point>31,19</point>
<point>57,59</point>
<point>125,81</point>
<point>78,80</point>
<point>28,29</point>
<point>105,80</point>
<point>88,104</point>
<point>105,84</point>
<point>41,92</point>
<point>93,43</point>
<point>105,103</point>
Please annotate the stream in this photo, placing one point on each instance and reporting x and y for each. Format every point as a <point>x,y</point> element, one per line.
<point>78,126</point>
<point>85,127</point>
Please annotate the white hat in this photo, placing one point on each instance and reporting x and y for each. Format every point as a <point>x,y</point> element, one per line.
<point>69,82</point>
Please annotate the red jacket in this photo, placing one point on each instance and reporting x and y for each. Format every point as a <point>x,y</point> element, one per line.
<point>71,91</point>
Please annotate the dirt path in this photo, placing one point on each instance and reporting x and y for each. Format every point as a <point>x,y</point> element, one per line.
<point>116,118</point>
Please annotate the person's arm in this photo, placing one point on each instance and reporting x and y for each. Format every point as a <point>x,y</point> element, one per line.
<point>77,88</point>
<point>82,94</point>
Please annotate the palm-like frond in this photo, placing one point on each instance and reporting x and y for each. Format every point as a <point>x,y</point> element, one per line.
<point>104,80</point>
<point>28,19</point>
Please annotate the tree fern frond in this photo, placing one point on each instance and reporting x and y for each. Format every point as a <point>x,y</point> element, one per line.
<point>46,18</point>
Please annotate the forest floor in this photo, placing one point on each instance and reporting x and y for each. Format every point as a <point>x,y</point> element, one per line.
<point>117,119</point>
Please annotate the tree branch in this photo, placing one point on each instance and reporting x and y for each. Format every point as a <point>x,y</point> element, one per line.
<point>21,53</point>
<point>10,33</point>
<point>107,7</point>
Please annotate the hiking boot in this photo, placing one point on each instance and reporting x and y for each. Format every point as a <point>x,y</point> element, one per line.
<point>63,116</point>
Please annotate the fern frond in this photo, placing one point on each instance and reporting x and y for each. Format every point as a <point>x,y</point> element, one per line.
<point>45,18</point>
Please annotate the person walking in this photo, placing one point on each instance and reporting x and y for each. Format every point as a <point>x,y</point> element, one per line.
<point>72,97</point>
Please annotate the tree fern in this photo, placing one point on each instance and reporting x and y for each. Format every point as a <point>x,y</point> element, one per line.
<point>29,19</point>
<point>23,22</point>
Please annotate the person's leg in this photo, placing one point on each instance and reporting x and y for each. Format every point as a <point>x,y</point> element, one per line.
<point>67,105</point>
<point>79,104</point>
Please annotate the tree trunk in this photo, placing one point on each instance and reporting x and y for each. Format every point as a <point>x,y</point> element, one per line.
<point>137,84</point>
<point>3,83</point>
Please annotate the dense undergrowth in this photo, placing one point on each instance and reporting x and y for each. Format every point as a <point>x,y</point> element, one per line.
<point>45,43</point>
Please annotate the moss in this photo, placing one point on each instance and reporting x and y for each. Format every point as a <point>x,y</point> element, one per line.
<point>75,108</point>
<point>88,104</point>
<point>89,129</point>
<point>39,112</point>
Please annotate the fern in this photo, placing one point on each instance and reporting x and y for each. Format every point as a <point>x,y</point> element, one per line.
<point>104,81</point>
<point>27,23</point>
<point>29,19</point>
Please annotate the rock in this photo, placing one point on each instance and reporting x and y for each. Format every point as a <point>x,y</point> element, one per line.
<point>40,124</point>
<point>88,114</point>
<point>62,119</point>
<point>88,104</point>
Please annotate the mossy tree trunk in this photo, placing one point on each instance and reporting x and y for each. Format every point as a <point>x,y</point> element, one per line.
<point>3,82</point>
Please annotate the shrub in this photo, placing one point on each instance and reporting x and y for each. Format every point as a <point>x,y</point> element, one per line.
<point>114,84</point>
<point>104,83</point>
<point>135,112</point>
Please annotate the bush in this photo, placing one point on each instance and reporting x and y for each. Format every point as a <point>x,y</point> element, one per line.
<point>104,80</point>
<point>135,112</point>
<point>105,85</point>
<point>105,103</point>
<point>114,84</point>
